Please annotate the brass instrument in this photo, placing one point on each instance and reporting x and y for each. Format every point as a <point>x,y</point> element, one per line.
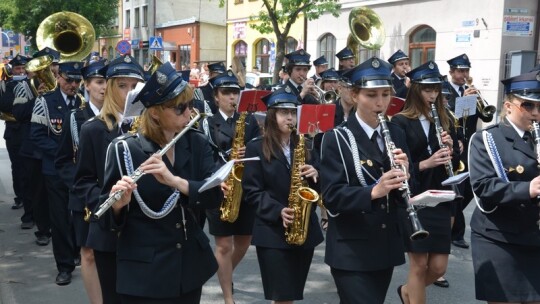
<point>7,73</point>
<point>300,198</point>
<point>461,166</point>
<point>367,30</point>
<point>485,110</point>
<point>155,63</point>
<point>69,33</point>
<point>418,231</point>
<point>230,206</point>
<point>41,67</point>
<point>138,173</point>
<point>438,130</point>
<point>326,97</point>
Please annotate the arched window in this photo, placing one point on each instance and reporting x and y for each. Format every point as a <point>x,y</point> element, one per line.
<point>422,45</point>
<point>262,49</point>
<point>290,45</point>
<point>327,47</point>
<point>240,51</point>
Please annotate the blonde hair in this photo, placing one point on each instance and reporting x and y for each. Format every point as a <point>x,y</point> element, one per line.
<point>112,105</point>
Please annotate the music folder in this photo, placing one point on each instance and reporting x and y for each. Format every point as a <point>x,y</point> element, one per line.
<point>456,179</point>
<point>315,118</point>
<point>221,174</point>
<point>250,101</point>
<point>432,198</point>
<point>395,106</point>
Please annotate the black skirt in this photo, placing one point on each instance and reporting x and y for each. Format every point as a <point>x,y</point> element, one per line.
<point>436,220</point>
<point>242,226</point>
<point>284,272</point>
<point>505,272</point>
<point>81,228</point>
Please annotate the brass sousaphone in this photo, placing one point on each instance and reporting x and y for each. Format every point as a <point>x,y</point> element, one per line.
<point>367,30</point>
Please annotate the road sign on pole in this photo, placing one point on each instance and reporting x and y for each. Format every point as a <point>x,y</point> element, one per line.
<point>123,47</point>
<point>156,43</point>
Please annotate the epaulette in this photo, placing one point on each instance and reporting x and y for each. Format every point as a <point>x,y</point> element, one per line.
<point>92,118</point>
<point>260,137</point>
<point>125,136</point>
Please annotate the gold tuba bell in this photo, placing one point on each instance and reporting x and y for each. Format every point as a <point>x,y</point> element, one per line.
<point>41,67</point>
<point>367,30</point>
<point>69,33</point>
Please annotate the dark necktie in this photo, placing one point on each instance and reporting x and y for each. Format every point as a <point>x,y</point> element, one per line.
<point>229,121</point>
<point>461,91</point>
<point>527,137</point>
<point>374,140</point>
<point>299,89</point>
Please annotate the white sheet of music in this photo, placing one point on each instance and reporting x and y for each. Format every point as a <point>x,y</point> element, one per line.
<point>221,174</point>
<point>432,198</point>
<point>465,104</point>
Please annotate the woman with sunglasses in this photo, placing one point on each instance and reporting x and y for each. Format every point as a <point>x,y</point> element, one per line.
<point>163,256</point>
<point>232,239</point>
<point>122,75</point>
<point>284,267</point>
<point>428,258</point>
<point>505,178</point>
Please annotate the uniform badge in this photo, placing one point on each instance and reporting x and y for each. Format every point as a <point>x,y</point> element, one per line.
<point>431,66</point>
<point>47,50</point>
<point>288,90</point>
<point>375,63</point>
<point>301,52</point>
<point>161,78</point>
<point>127,59</point>
<point>465,56</point>
<point>76,66</point>
<point>230,73</point>
<point>369,162</point>
<point>18,57</point>
<point>520,169</point>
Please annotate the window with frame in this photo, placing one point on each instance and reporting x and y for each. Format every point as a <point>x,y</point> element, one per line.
<point>262,59</point>
<point>145,15</point>
<point>240,51</point>
<point>327,48</point>
<point>290,45</point>
<point>137,17</point>
<point>128,18</point>
<point>185,55</point>
<point>422,45</point>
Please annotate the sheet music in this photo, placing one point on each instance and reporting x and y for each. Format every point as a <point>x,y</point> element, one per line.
<point>432,198</point>
<point>456,179</point>
<point>464,104</point>
<point>133,109</point>
<point>221,174</point>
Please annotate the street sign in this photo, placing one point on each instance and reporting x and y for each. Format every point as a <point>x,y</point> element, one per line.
<point>123,47</point>
<point>156,43</point>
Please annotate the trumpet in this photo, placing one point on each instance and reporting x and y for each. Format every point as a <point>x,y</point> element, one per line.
<point>485,110</point>
<point>138,173</point>
<point>326,97</point>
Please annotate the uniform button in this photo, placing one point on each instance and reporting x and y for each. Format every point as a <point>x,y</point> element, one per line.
<point>178,245</point>
<point>178,225</point>
<point>522,205</point>
<point>383,206</point>
<point>383,226</point>
<point>198,203</point>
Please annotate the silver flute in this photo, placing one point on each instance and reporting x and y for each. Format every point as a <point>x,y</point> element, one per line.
<point>535,129</point>
<point>418,231</point>
<point>138,173</point>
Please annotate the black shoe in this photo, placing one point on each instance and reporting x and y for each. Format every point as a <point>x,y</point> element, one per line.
<point>63,278</point>
<point>27,225</point>
<point>442,283</point>
<point>43,240</point>
<point>17,205</point>
<point>77,261</point>
<point>460,244</point>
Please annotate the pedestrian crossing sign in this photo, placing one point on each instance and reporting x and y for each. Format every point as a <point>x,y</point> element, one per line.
<point>156,43</point>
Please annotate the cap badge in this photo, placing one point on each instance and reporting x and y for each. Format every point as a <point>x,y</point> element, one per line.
<point>538,77</point>
<point>465,57</point>
<point>127,59</point>
<point>76,65</point>
<point>288,89</point>
<point>230,73</point>
<point>301,52</point>
<point>47,50</point>
<point>18,57</point>
<point>161,78</point>
<point>375,63</point>
<point>431,66</point>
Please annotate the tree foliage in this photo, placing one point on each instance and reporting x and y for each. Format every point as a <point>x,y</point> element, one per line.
<point>24,16</point>
<point>277,16</point>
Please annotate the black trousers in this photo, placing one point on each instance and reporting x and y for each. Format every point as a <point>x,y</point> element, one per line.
<point>13,146</point>
<point>362,286</point>
<point>61,226</point>
<point>106,268</point>
<point>458,230</point>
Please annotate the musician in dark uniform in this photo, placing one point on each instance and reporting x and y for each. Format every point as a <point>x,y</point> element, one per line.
<point>207,91</point>
<point>364,241</point>
<point>163,254</point>
<point>47,125</point>
<point>346,59</point>
<point>345,105</point>
<point>505,177</point>
<point>66,161</point>
<point>13,136</point>
<point>428,258</point>
<point>321,65</point>
<point>284,267</point>
<point>232,239</point>
<point>401,64</point>
<point>122,74</point>
<point>299,84</point>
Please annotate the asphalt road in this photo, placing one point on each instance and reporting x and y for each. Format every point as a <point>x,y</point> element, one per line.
<point>27,271</point>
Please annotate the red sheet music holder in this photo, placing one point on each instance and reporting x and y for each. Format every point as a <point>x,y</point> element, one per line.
<point>395,106</point>
<point>250,101</point>
<point>316,118</point>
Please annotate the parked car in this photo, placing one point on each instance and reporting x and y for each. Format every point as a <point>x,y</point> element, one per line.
<point>259,80</point>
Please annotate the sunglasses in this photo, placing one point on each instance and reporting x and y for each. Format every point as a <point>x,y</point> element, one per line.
<point>71,80</point>
<point>529,106</point>
<point>181,108</point>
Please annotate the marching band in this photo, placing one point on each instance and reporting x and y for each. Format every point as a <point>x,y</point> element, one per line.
<point>128,196</point>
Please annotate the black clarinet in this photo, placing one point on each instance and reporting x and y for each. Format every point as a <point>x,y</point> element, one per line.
<point>535,129</point>
<point>418,231</point>
<point>448,166</point>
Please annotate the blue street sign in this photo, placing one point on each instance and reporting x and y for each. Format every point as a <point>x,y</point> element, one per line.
<point>123,47</point>
<point>156,43</point>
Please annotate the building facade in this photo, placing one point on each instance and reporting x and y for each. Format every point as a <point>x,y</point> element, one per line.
<point>106,43</point>
<point>500,41</point>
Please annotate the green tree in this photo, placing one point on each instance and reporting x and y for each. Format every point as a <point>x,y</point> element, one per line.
<point>277,16</point>
<point>24,16</point>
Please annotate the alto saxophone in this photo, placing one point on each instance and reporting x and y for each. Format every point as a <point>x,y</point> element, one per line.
<point>300,198</point>
<point>230,206</point>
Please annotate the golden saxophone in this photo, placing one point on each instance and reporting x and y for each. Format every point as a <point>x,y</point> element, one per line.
<point>230,206</point>
<point>300,198</point>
